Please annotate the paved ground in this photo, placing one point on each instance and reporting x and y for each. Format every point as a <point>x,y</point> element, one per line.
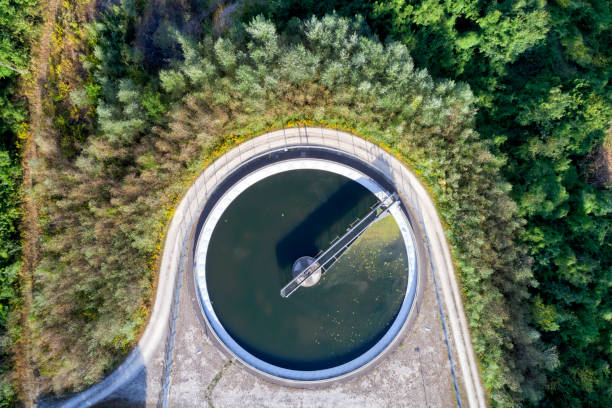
<point>418,373</point>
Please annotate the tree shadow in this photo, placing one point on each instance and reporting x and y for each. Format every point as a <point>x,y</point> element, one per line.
<point>154,37</point>
<point>345,202</point>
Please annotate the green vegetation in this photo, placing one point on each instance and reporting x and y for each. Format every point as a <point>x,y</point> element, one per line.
<point>17,21</point>
<point>507,159</point>
<point>10,172</point>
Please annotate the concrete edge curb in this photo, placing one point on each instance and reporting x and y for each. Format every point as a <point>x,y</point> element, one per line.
<point>186,213</point>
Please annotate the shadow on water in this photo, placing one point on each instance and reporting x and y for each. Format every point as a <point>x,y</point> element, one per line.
<point>302,240</point>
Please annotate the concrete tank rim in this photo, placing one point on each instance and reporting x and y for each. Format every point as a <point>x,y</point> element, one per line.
<point>371,356</point>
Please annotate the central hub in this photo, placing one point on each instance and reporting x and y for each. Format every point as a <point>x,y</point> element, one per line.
<point>313,272</point>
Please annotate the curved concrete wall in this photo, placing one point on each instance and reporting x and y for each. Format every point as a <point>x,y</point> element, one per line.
<point>412,193</point>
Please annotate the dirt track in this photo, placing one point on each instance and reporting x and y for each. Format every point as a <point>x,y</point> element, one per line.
<point>34,87</point>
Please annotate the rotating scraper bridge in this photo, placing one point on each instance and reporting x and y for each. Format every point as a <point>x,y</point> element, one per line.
<point>325,259</point>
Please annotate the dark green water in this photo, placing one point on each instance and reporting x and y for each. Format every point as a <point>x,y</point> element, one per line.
<point>251,253</point>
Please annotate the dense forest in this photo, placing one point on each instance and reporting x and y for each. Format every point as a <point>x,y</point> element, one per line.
<point>17,28</point>
<point>500,108</point>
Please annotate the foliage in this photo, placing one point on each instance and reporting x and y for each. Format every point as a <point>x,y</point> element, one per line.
<point>547,105</point>
<point>10,173</point>
<point>9,215</point>
<point>17,20</point>
<point>17,23</point>
<point>69,89</point>
<point>539,72</point>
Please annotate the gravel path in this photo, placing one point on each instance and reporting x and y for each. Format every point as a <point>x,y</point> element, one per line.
<point>33,89</point>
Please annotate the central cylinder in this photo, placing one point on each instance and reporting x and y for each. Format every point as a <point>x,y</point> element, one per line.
<point>302,264</point>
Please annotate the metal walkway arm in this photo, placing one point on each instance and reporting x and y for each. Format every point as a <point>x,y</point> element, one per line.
<point>325,260</point>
